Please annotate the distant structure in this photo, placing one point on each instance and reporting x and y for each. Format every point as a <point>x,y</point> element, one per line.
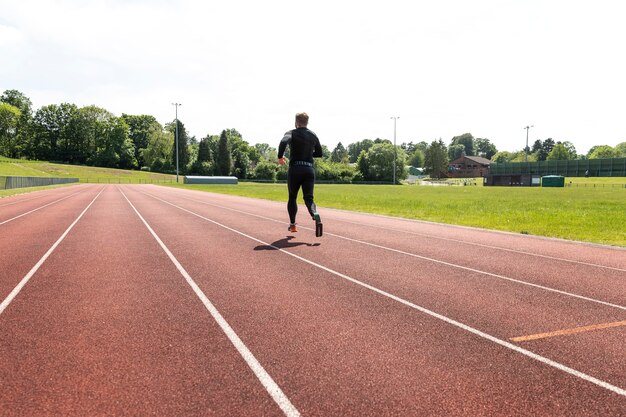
<point>469,167</point>
<point>190,179</point>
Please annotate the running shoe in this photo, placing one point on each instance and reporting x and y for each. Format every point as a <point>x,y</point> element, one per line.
<point>292,228</point>
<point>319,227</point>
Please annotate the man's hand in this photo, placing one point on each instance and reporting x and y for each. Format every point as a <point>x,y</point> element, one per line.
<point>281,161</point>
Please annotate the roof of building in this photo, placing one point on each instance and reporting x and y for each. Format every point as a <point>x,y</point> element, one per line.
<point>477,159</point>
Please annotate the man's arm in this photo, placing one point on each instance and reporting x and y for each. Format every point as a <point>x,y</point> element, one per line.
<point>318,149</point>
<point>282,147</point>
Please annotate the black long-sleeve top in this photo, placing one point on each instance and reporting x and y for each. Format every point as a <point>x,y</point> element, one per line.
<point>304,145</point>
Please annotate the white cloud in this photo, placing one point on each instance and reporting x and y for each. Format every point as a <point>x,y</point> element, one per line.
<point>446,67</point>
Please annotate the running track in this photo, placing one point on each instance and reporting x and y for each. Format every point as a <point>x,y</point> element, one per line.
<point>145,300</point>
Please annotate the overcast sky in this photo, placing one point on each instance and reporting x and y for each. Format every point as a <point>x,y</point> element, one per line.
<point>445,67</point>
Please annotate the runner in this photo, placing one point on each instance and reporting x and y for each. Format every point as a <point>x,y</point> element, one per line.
<point>304,145</point>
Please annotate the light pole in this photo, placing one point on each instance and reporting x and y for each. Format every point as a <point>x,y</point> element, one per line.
<point>176,138</point>
<point>394,147</point>
<point>526,148</point>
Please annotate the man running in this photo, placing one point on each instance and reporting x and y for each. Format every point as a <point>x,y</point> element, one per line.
<point>303,147</point>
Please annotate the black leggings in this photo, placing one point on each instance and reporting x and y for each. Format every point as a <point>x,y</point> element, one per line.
<point>300,176</point>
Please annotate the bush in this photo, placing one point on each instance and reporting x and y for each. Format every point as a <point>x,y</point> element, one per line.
<point>265,171</point>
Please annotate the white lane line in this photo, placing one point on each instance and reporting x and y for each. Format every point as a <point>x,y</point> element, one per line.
<point>503,343</point>
<point>556,258</point>
<point>262,375</point>
<point>38,208</point>
<point>35,268</point>
<point>521,252</point>
<point>20,201</point>
<point>464,268</point>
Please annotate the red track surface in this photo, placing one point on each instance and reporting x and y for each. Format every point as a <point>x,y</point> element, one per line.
<point>143,300</point>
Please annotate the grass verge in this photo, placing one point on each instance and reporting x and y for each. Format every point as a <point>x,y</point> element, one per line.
<point>591,214</point>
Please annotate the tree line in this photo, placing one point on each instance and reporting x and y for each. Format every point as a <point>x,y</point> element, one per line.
<point>94,136</point>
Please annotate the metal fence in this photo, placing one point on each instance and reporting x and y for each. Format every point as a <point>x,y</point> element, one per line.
<point>609,167</point>
<point>8,183</point>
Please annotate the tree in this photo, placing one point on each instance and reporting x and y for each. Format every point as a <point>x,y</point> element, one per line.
<point>416,159</point>
<point>543,149</point>
<point>467,140</point>
<point>571,149</point>
<point>223,159</point>
<point>354,149</point>
<point>604,151</point>
<point>559,153</point>
<point>339,154</point>
<point>267,152</point>
<point>183,141</point>
<point>156,155</point>
<point>114,148</point>
<point>456,151</point>
<point>49,137</point>
<point>485,148</point>
<point>204,151</point>
<point>621,148</point>
<point>436,159</point>
<point>265,170</point>
<point>379,163</point>
<point>139,127</point>
<point>9,117</point>
<point>502,157</point>
<point>20,101</point>
<point>241,163</point>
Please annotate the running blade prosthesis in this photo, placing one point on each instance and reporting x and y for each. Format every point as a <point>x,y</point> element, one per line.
<point>319,228</point>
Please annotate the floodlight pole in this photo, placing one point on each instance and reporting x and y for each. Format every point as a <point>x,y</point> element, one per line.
<point>394,147</point>
<point>526,148</point>
<point>176,138</point>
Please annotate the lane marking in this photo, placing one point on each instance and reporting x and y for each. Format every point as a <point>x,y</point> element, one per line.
<point>20,201</point>
<point>482,245</point>
<point>39,208</point>
<point>465,268</point>
<point>35,268</point>
<point>565,332</point>
<point>262,375</point>
<point>43,193</point>
<point>434,236</point>
<point>503,343</point>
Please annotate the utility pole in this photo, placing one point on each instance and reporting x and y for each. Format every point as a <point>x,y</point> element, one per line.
<point>394,147</point>
<point>526,148</point>
<point>176,138</point>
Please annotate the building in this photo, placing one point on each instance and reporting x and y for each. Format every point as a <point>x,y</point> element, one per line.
<point>468,167</point>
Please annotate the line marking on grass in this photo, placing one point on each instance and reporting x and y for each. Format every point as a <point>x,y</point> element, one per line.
<point>465,268</point>
<point>35,268</point>
<point>486,336</point>
<point>262,375</point>
<point>565,332</point>
<point>39,208</point>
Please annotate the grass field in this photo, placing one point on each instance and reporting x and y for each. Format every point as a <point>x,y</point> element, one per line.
<point>593,214</point>
<point>21,168</point>
<point>591,209</point>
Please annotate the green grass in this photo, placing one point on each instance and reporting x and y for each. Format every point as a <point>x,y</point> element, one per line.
<point>591,209</point>
<point>16,167</point>
<point>576,213</point>
<point>20,168</point>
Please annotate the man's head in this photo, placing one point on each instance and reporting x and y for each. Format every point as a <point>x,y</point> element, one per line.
<point>302,119</point>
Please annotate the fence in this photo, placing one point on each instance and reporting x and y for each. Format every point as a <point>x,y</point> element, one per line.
<point>609,167</point>
<point>8,183</point>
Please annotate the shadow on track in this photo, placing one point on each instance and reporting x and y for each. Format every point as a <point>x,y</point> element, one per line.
<point>284,244</point>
